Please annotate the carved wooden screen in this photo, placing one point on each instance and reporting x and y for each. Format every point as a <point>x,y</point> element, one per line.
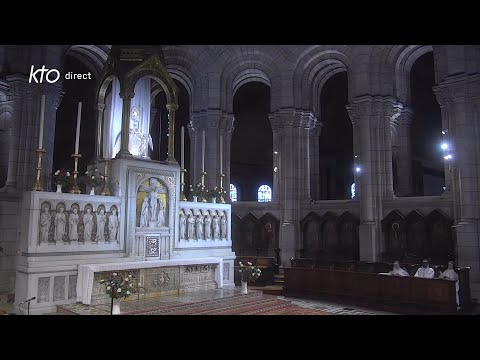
<point>330,234</point>
<point>417,241</point>
<point>268,240</point>
<point>394,229</point>
<point>348,237</point>
<point>440,239</point>
<point>312,244</point>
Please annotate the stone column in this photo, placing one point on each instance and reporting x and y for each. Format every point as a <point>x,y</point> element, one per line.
<point>99,133</point>
<point>404,153</point>
<point>314,154</point>
<point>371,117</point>
<point>459,99</point>
<point>153,114</point>
<point>126,96</point>
<point>227,131</point>
<point>277,158</point>
<point>172,108</point>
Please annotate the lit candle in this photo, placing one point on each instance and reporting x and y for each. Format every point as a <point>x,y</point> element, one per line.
<point>203,151</point>
<point>79,118</point>
<point>182,150</point>
<point>221,154</point>
<point>42,120</point>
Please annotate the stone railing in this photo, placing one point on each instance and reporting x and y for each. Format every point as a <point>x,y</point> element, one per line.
<point>204,225</point>
<point>69,223</point>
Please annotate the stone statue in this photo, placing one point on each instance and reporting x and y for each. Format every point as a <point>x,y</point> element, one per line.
<point>153,190</point>
<point>199,226</point>
<point>145,143</point>
<point>88,224</point>
<point>73,225</point>
<point>101,219</point>
<point>45,221</point>
<point>113,225</point>
<point>60,222</point>
<point>216,227</point>
<point>208,226</point>
<point>144,213</point>
<point>190,227</point>
<point>223,226</point>
<point>183,225</point>
<point>161,213</point>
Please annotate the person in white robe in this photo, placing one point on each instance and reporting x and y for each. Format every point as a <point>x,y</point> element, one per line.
<point>451,274</point>
<point>397,270</point>
<point>425,271</point>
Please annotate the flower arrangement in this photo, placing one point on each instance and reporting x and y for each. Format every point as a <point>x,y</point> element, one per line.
<point>249,272</point>
<point>93,178</point>
<point>217,193</point>
<point>61,177</point>
<point>198,190</point>
<point>120,284</point>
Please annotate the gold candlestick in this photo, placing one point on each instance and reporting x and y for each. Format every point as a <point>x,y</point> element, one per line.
<point>202,181</point>
<point>222,199</point>
<point>75,189</point>
<point>106,190</point>
<point>38,184</point>
<point>182,185</point>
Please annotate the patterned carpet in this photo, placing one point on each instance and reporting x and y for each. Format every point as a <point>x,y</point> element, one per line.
<point>217,302</point>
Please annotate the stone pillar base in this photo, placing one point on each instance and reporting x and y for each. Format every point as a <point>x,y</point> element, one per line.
<point>369,242</point>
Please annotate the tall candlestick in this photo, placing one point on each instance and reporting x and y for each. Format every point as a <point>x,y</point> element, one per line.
<point>79,119</point>
<point>182,149</point>
<point>203,151</point>
<point>221,154</point>
<point>42,120</point>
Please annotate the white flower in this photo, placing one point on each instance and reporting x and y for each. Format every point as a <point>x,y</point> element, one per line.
<point>68,173</point>
<point>240,263</point>
<point>114,274</point>
<point>128,292</point>
<point>93,177</point>
<point>86,172</point>
<point>239,270</point>
<point>108,287</point>
<point>139,284</point>
<point>119,290</point>
<point>126,279</point>
<point>129,275</point>
<point>96,169</point>
<point>57,172</point>
<point>249,263</point>
<point>131,285</point>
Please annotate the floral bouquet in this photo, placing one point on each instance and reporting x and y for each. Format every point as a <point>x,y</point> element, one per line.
<point>93,178</point>
<point>120,284</point>
<point>198,191</point>
<point>61,177</point>
<point>218,194</point>
<point>249,272</point>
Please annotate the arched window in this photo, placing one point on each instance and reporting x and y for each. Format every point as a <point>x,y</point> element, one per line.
<point>352,190</point>
<point>264,193</point>
<point>233,193</point>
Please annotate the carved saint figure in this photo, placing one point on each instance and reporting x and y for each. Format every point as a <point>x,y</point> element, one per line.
<point>183,225</point>
<point>208,226</point>
<point>223,226</point>
<point>191,227</point>
<point>144,213</point>
<point>73,225</point>
<point>60,222</point>
<point>101,219</point>
<point>45,221</point>
<point>88,224</point>
<point>216,227</point>
<point>153,189</point>
<point>113,225</point>
<point>199,226</point>
<point>161,213</point>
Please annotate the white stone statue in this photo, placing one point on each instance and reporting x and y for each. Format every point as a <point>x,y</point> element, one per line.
<point>397,270</point>
<point>425,271</point>
<point>223,226</point>
<point>208,226</point>
<point>183,225</point>
<point>101,219</point>
<point>73,225</point>
<point>144,215</point>
<point>113,225</point>
<point>88,224</point>
<point>161,213</point>
<point>45,221</point>
<point>191,227</point>
<point>451,274</point>
<point>60,222</point>
<point>153,190</point>
<point>145,143</point>
<point>199,226</point>
<point>216,227</point>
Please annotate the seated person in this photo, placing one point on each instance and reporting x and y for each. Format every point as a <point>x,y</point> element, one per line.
<point>451,274</point>
<point>425,271</point>
<point>397,270</point>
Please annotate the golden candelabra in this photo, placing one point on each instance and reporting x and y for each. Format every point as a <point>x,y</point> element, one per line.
<point>202,181</point>
<point>106,190</point>
<point>75,189</point>
<point>182,184</point>
<point>222,199</point>
<point>38,184</point>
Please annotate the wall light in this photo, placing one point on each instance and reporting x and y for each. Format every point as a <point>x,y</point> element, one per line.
<point>444,146</point>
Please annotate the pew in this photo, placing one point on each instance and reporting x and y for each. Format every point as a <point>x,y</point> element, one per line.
<point>399,293</point>
<point>265,263</point>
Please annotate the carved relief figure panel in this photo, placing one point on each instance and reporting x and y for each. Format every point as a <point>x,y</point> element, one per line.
<point>60,223</point>
<point>87,223</point>
<point>191,226</point>
<point>216,226</point>
<point>223,225</point>
<point>113,224</point>
<point>101,220</point>
<point>199,225</point>
<point>182,224</point>
<point>45,222</point>
<point>152,204</point>
<point>208,226</point>
<point>73,220</point>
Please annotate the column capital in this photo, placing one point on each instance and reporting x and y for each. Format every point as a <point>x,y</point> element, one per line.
<point>172,106</point>
<point>457,88</point>
<point>406,116</point>
<point>127,94</point>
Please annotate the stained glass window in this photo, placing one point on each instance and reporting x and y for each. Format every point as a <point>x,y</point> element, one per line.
<point>264,193</point>
<point>233,192</point>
